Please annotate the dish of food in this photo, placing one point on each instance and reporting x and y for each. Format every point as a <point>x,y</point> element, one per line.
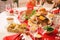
<point>30,21</point>
<point>17,28</point>
<point>10,20</point>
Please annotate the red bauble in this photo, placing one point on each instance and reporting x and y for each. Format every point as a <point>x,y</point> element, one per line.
<point>11,11</point>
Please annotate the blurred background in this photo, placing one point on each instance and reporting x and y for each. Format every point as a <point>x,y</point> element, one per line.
<point>12,3</point>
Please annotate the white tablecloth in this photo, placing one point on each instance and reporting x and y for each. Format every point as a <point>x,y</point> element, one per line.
<point>3,26</point>
<point>4,23</point>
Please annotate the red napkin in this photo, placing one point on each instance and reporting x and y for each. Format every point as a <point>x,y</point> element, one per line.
<point>56,11</point>
<point>50,36</point>
<point>12,37</point>
<point>40,30</point>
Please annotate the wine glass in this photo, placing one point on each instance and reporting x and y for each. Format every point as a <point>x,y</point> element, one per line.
<point>8,7</point>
